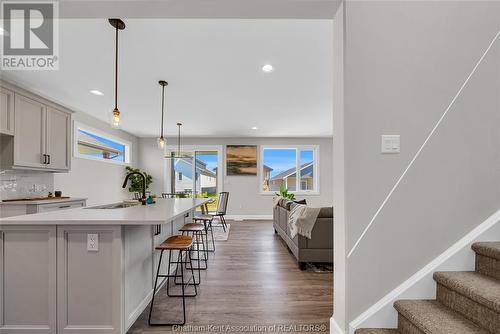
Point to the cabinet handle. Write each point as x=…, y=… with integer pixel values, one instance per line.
x=157, y=230
x=64, y=206
x=44, y=160
x=48, y=163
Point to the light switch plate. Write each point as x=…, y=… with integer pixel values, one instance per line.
x=391, y=144
x=92, y=242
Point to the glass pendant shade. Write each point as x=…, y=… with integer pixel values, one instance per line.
x=115, y=118
x=162, y=142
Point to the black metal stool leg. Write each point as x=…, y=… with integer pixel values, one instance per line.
x=154, y=289
x=223, y=222
x=205, y=249
x=181, y=264
x=212, y=233
x=192, y=273
x=183, y=292
x=185, y=263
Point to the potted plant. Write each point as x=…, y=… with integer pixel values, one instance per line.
x=284, y=193
x=136, y=181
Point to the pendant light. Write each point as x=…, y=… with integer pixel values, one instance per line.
x=179, y=154
x=115, y=115
x=161, y=139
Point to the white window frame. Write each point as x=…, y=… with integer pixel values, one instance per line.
x=297, y=148
x=192, y=148
x=80, y=126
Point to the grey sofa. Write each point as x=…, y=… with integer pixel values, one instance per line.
x=317, y=249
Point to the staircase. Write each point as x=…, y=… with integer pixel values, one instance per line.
x=466, y=302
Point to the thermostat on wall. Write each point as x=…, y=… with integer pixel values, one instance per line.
x=391, y=144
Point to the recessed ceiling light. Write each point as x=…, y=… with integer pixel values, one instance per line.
x=97, y=92
x=254, y=128
x=268, y=68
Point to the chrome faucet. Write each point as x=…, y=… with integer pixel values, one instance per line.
x=143, y=199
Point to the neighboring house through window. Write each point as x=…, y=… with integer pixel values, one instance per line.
x=96, y=145
x=294, y=167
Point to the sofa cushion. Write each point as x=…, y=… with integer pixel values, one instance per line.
x=326, y=212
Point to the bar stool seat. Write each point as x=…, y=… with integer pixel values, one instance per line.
x=176, y=242
x=203, y=217
x=192, y=227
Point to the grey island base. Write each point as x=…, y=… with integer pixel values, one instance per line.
x=85, y=270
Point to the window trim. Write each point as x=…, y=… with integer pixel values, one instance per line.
x=297, y=148
x=80, y=126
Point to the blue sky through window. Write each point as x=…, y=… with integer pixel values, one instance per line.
x=306, y=156
x=279, y=159
x=209, y=158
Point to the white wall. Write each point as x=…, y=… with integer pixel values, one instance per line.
x=244, y=198
x=339, y=321
x=151, y=161
x=101, y=182
x=404, y=63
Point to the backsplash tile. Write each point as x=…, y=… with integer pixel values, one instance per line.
x=20, y=184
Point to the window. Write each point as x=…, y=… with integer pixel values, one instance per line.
x=180, y=176
x=293, y=167
x=200, y=172
x=93, y=144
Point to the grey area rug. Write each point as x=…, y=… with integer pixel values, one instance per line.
x=219, y=234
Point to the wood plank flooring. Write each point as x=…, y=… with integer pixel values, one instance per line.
x=251, y=280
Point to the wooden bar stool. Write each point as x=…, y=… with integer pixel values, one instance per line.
x=181, y=243
x=197, y=231
x=207, y=220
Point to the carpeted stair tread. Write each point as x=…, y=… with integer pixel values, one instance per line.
x=487, y=248
x=431, y=317
x=480, y=288
x=376, y=331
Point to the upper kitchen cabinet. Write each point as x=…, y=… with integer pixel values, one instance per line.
x=58, y=139
x=29, y=134
x=41, y=135
x=6, y=111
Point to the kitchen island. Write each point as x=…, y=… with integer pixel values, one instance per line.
x=84, y=270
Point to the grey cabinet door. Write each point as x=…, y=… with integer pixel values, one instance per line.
x=29, y=134
x=58, y=134
x=89, y=283
x=28, y=280
x=6, y=111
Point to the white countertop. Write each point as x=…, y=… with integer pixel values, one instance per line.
x=44, y=201
x=164, y=210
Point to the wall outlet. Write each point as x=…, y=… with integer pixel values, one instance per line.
x=92, y=242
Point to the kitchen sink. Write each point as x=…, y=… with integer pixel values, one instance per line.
x=113, y=206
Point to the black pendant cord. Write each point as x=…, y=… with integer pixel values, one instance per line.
x=179, y=140
x=116, y=69
x=162, y=107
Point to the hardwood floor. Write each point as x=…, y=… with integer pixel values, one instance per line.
x=251, y=280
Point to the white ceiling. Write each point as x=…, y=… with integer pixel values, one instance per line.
x=213, y=67
x=234, y=9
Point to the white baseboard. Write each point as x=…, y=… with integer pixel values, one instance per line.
x=249, y=217
x=134, y=315
x=334, y=327
x=459, y=257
